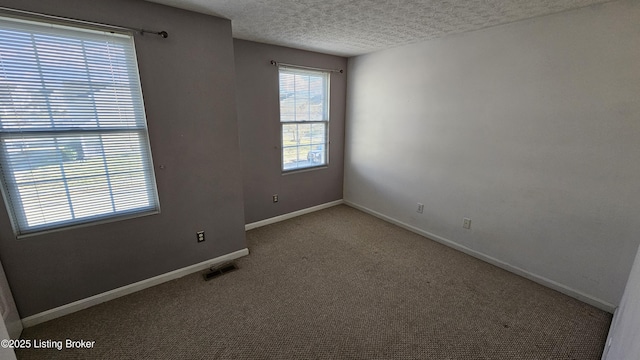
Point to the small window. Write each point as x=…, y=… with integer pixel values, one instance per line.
x=74, y=147
x=304, y=118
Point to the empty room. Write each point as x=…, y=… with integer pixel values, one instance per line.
x=308, y=179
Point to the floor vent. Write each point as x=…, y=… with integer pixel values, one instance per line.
x=218, y=270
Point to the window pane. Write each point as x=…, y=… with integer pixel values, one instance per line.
x=127, y=171
x=290, y=158
x=89, y=196
x=87, y=175
x=44, y=202
x=304, y=134
x=303, y=96
x=317, y=101
x=130, y=191
x=304, y=145
x=57, y=79
x=287, y=97
x=297, y=157
x=318, y=134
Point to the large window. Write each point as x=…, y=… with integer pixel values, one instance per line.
x=304, y=118
x=74, y=146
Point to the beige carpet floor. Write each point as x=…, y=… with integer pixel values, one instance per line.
x=338, y=284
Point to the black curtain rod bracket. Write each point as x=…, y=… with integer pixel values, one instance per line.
x=163, y=33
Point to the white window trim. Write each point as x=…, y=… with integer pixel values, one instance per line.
x=145, y=154
x=327, y=122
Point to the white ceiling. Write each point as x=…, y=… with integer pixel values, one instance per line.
x=354, y=27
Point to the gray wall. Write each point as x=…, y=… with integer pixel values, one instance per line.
x=624, y=337
x=530, y=129
x=188, y=85
x=259, y=127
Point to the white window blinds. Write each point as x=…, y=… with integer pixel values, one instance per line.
x=74, y=142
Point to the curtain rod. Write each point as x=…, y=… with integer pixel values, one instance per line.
x=65, y=20
x=276, y=63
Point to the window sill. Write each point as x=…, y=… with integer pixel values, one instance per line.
x=91, y=223
x=297, y=171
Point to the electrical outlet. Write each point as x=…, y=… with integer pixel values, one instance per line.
x=200, y=236
x=275, y=198
x=466, y=223
x=420, y=208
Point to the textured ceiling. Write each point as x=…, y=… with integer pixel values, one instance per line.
x=354, y=27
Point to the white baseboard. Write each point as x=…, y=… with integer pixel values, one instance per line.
x=128, y=289
x=612, y=332
x=290, y=215
x=600, y=304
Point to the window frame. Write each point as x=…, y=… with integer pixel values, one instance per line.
x=14, y=201
x=327, y=105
